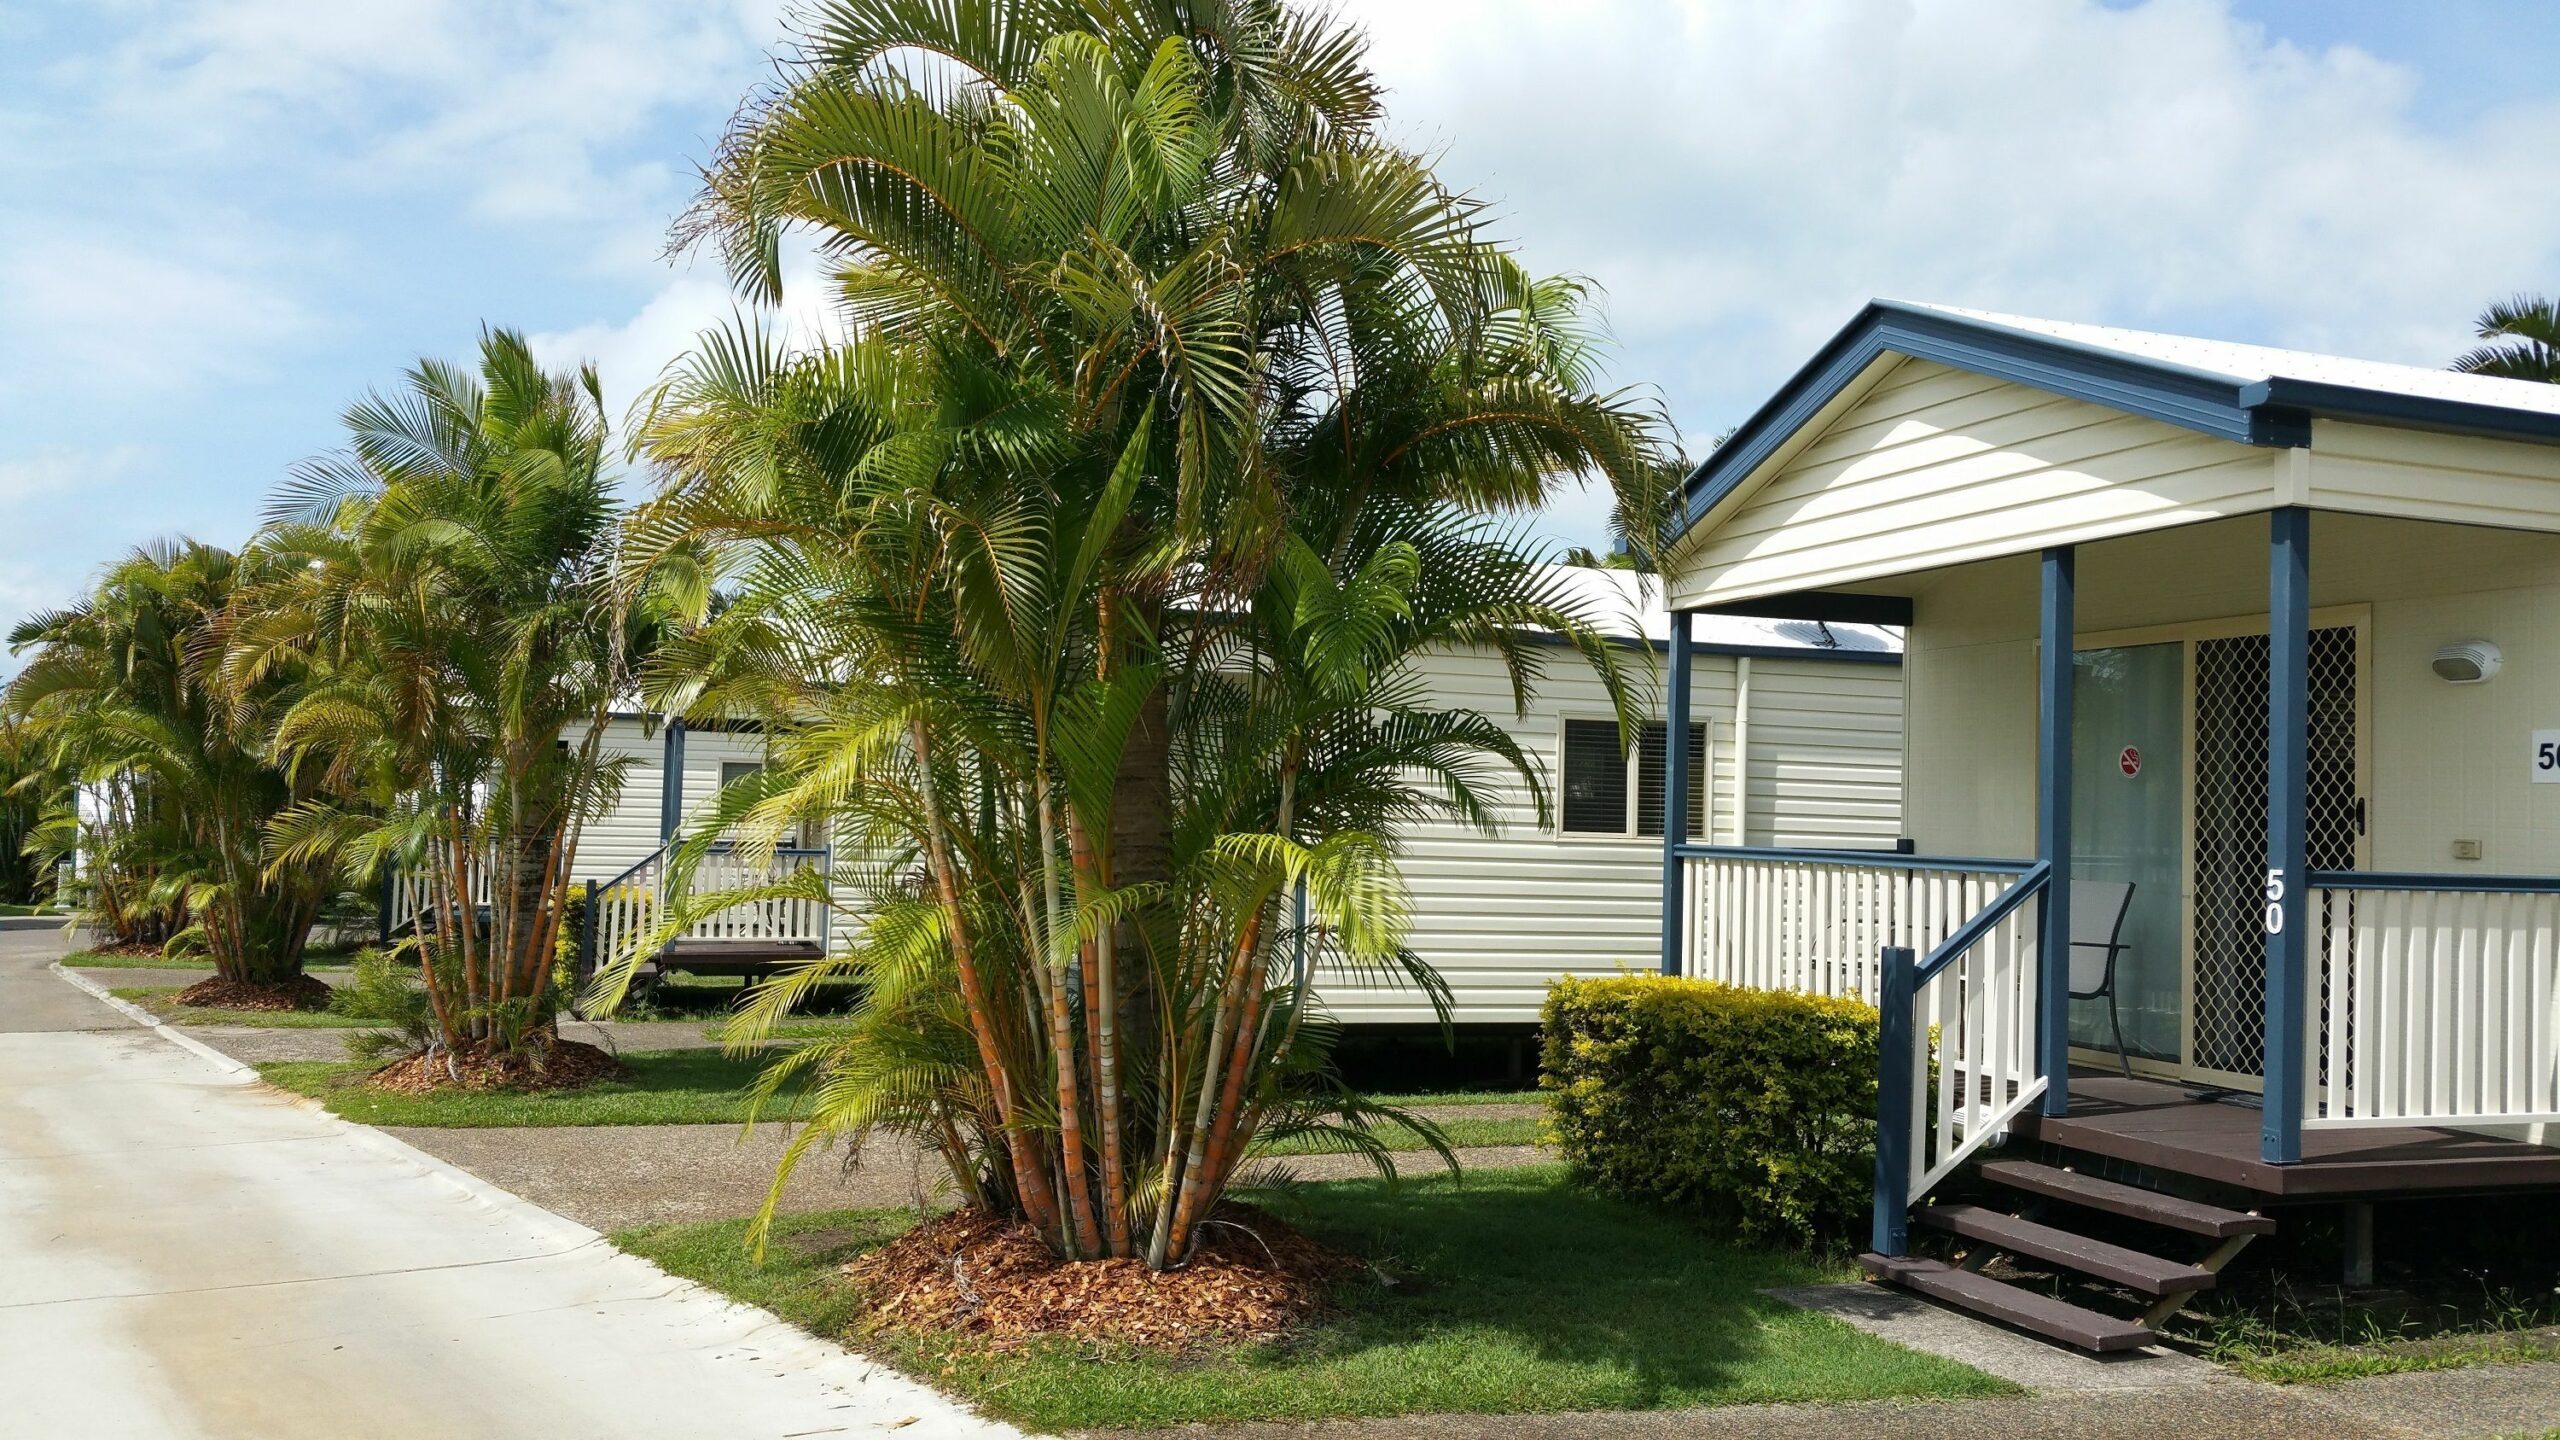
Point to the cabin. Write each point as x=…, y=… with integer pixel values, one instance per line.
x=2232, y=713
x=1795, y=739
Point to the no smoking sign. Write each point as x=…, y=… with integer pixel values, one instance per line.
x=2130, y=762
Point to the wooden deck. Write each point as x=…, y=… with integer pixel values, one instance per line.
x=2148, y=1122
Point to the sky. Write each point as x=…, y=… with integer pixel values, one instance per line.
x=223, y=220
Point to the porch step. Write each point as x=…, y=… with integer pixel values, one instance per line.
x=2020, y=1236
x=2130, y=1201
x=1998, y=1300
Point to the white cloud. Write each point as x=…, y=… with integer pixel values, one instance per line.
x=55, y=470
x=1741, y=177
x=120, y=315
x=62, y=513
x=631, y=355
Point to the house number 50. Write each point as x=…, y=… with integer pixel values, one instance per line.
x=2275, y=902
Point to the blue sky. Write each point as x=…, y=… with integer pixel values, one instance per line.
x=223, y=220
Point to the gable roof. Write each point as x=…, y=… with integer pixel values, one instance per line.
x=2253, y=394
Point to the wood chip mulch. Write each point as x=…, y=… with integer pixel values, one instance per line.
x=302, y=992
x=992, y=1278
x=554, y=1065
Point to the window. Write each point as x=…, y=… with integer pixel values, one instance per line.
x=1595, y=779
x=1607, y=792
x=733, y=771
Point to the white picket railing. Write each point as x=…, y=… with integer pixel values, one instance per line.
x=2439, y=997
x=1816, y=920
x=1973, y=1051
x=630, y=907
x=413, y=894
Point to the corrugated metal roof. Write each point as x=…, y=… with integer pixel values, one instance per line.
x=1629, y=605
x=2236, y=361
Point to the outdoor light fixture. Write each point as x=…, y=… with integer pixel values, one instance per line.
x=2468, y=663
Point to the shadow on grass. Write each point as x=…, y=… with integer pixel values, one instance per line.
x=1512, y=1292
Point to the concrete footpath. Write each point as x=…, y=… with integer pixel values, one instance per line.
x=185, y=1253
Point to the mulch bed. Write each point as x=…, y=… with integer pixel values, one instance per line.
x=302, y=992
x=554, y=1065
x=992, y=1278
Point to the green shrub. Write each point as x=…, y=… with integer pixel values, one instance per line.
x=383, y=990
x=1752, y=1107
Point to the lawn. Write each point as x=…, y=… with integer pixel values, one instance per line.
x=667, y=1087
x=1513, y=1292
x=96, y=960
x=162, y=1000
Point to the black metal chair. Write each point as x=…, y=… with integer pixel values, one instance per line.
x=2098, y=908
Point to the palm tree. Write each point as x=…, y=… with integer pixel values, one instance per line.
x=31, y=784
x=120, y=693
x=1159, y=344
x=2525, y=335
x=454, y=645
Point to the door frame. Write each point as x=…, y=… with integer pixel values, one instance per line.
x=2186, y=634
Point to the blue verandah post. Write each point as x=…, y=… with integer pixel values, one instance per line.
x=586, y=949
x=2287, y=913
x=1896, y=989
x=2053, y=826
x=1675, y=790
x=382, y=905
x=671, y=783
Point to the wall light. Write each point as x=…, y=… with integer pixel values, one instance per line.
x=2468, y=663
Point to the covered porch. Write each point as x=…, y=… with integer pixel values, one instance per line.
x=2231, y=696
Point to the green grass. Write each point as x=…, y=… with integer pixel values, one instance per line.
x=1441, y=1098
x=666, y=1087
x=1514, y=1292
x=15, y=910
x=1463, y=1131
x=93, y=960
x=162, y=1000
x=2318, y=1364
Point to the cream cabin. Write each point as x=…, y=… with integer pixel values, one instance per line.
x=1795, y=739
x=2232, y=704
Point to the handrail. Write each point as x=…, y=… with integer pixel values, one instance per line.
x=1987, y=1041
x=643, y=863
x=2451, y=884
x=2031, y=882
x=1883, y=859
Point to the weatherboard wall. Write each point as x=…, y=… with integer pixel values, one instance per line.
x=1933, y=466
x=1501, y=916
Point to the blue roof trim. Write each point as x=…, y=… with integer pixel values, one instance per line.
x=2219, y=405
x=2409, y=412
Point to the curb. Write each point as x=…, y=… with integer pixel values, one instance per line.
x=167, y=1031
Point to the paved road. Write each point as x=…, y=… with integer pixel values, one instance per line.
x=186, y=1254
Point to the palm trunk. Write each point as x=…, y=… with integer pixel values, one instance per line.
x=1094, y=962
x=1062, y=1030
x=1030, y=1181
x=1185, y=1207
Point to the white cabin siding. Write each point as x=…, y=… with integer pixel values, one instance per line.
x=2422, y=475
x=1935, y=466
x=1501, y=916
x=616, y=841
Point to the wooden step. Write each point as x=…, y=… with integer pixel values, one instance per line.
x=2020, y=1236
x=2130, y=1201
x=1996, y=1300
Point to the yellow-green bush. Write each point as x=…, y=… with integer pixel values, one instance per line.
x=1755, y=1108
